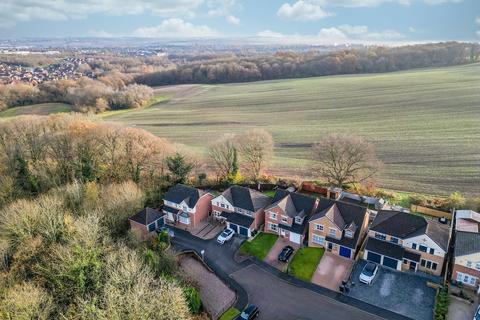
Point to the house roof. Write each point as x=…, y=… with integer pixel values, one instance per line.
x=385, y=248
x=237, y=218
x=292, y=203
x=439, y=233
x=146, y=216
x=399, y=224
x=180, y=192
x=466, y=243
x=246, y=198
x=343, y=215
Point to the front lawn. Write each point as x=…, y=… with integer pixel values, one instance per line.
x=230, y=314
x=259, y=246
x=304, y=262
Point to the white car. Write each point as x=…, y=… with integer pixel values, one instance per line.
x=226, y=235
x=369, y=272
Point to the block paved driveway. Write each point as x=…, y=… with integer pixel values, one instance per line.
x=331, y=270
x=401, y=292
x=276, y=298
x=272, y=256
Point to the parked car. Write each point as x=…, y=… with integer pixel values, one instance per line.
x=285, y=254
x=170, y=233
x=368, y=273
x=250, y=312
x=476, y=316
x=226, y=235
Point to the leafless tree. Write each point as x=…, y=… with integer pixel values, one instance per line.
x=222, y=154
x=256, y=151
x=343, y=159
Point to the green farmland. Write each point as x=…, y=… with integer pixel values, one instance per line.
x=39, y=109
x=425, y=123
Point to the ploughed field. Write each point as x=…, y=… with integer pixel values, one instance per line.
x=424, y=123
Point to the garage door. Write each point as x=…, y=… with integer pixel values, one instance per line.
x=389, y=262
x=243, y=231
x=234, y=227
x=374, y=257
x=345, y=252
x=295, y=237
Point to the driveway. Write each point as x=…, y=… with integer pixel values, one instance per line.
x=332, y=270
x=460, y=309
x=272, y=256
x=280, y=300
x=399, y=292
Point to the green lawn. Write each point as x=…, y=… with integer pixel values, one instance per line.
x=38, y=109
x=230, y=314
x=270, y=193
x=423, y=123
x=259, y=246
x=304, y=262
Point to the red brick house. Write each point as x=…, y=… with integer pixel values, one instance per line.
x=242, y=208
x=186, y=205
x=288, y=215
x=146, y=221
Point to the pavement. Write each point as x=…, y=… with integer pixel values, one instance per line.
x=278, y=295
x=332, y=270
x=400, y=292
x=460, y=309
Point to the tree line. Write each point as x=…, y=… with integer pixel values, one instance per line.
x=283, y=65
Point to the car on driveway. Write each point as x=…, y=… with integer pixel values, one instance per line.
x=368, y=273
x=226, y=235
x=250, y=312
x=285, y=254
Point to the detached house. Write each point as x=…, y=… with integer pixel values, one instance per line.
x=288, y=215
x=466, y=255
x=186, y=205
x=146, y=221
x=338, y=227
x=404, y=241
x=242, y=209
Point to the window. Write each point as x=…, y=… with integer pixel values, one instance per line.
x=428, y=264
x=184, y=220
x=422, y=248
x=298, y=220
x=414, y=246
x=422, y=263
x=273, y=216
x=477, y=266
x=318, y=227
x=332, y=232
x=349, y=233
x=469, y=264
x=465, y=278
x=318, y=239
x=405, y=261
x=432, y=251
x=222, y=205
x=394, y=240
x=434, y=266
x=284, y=219
x=380, y=236
x=273, y=226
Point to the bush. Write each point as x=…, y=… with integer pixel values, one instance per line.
x=193, y=299
x=441, y=306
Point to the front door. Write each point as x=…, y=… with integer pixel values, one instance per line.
x=413, y=266
x=282, y=232
x=330, y=247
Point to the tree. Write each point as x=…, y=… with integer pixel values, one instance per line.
x=223, y=155
x=179, y=167
x=256, y=149
x=234, y=175
x=344, y=159
x=455, y=201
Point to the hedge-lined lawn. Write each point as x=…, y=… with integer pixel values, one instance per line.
x=229, y=314
x=260, y=246
x=304, y=262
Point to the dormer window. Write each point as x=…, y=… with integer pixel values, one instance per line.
x=349, y=233
x=284, y=219
x=298, y=220
x=332, y=232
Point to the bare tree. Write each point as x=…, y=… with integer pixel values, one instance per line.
x=344, y=159
x=222, y=154
x=256, y=150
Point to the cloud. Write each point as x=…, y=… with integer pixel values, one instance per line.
x=477, y=20
x=353, y=29
x=224, y=8
x=270, y=34
x=176, y=28
x=332, y=35
x=374, y=3
x=15, y=11
x=233, y=20
x=302, y=10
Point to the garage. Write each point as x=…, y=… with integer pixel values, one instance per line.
x=234, y=227
x=389, y=262
x=244, y=231
x=345, y=252
x=374, y=257
x=295, y=237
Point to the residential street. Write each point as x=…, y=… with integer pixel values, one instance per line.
x=276, y=298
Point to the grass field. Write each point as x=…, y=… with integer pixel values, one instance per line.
x=424, y=123
x=40, y=109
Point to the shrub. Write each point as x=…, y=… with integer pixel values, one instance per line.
x=193, y=299
x=441, y=306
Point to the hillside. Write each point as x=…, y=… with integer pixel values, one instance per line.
x=424, y=123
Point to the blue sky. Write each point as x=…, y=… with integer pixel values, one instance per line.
x=290, y=21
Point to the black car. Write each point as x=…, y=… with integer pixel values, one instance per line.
x=285, y=254
x=250, y=312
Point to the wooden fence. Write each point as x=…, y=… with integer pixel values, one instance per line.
x=431, y=212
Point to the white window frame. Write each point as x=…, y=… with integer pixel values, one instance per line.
x=318, y=239
x=330, y=232
x=273, y=215
x=349, y=233
x=284, y=219
x=318, y=227
x=273, y=226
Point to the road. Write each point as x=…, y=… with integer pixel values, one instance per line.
x=275, y=297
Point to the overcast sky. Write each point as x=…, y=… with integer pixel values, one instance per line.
x=326, y=21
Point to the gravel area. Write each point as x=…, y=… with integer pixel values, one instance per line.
x=216, y=296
